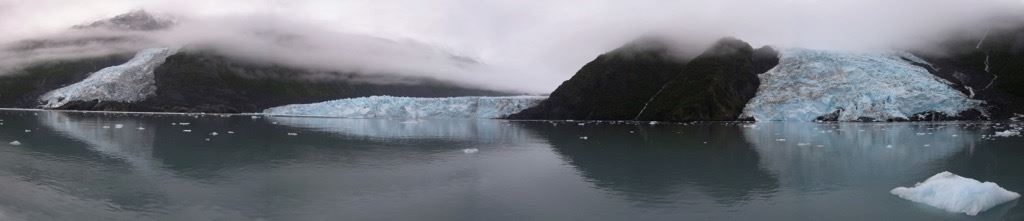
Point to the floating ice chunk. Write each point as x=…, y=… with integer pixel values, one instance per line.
x=1007, y=133
x=808, y=84
x=231, y=132
x=141, y=128
x=412, y=108
x=28, y=131
x=584, y=138
x=184, y=124
x=956, y=194
x=186, y=131
x=106, y=127
x=470, y=150
x=132, y=81
x=255, y=117
x=15, y=143
x=293, y=134
x=118, y=126
x=213, y=134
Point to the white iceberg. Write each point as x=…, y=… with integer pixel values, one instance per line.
x=132, y=81
x=808, y=84
x=412, y=108
x=1007, y=133
x=956, y=194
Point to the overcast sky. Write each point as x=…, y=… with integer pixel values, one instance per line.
x=536, y=44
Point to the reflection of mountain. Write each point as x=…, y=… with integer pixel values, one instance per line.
x=669, y=163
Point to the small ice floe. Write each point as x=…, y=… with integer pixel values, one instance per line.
x=780, y=140
x=207, y=139
x=184, y=124
x=174, y=124
x=186, y=131
x=231, y=132
x=293, y=134
x=255, y=117
x=927, y=145
x=470, y=151
x=956, y=194
x=819, y=145
x=15, y=143
x=1007, y=133
x=141, y=128
x=803, y=144
x=28, y=131
x=118, y=126
x=213, y=134
x=106, y=127
x=653, y=123
x=275, y=122
x=584, y=138
x=888, y=146
x=921, y=134
x=581, y=124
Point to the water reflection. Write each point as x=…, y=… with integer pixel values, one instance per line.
x=387, y=129
x=659, y=166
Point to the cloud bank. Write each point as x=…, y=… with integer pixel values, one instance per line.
x=525, y=45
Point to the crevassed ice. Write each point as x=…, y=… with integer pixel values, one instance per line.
x=956, y=194
x=808, y=84
x=132, y=81
x=412, y=108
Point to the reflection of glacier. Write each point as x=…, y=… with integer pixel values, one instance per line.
x=447, y=129
x=103, y=135
x=822, y=155
x=412, y=108
x=808, y=84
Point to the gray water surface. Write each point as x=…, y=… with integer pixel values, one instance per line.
x=81, y=166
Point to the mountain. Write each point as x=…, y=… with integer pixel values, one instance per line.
x=139, y=20
x=113, y=65
x=614, y=86
x=644, y=82
x=969, y=77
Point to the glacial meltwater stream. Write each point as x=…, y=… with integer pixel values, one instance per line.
x=106, y=166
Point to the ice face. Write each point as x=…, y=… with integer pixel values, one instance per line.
x=956, y=194
x=412, y=108
x=132, y=81
x=808, y=84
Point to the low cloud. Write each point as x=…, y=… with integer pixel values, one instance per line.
x=525, y=45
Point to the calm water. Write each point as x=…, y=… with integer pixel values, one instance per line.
x=69, y=167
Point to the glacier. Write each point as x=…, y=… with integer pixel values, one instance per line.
x=132, y=81
x=412, y=108
x=956, y=194
x=808, y=84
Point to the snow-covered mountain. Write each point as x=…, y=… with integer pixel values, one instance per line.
x=412, y=108
x=122, y=64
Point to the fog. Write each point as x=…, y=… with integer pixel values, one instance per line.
x=522, y=45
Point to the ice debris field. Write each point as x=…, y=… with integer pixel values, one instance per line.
x=956, y=194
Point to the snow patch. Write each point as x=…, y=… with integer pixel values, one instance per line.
x=412, y=108
x=808, y=84
x=956, y=194
x=132, y=81
x=15, y=143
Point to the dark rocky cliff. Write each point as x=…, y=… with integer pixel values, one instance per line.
x=713, y=86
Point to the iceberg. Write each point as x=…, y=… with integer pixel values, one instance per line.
x=412, y=108
x=808, y=84
x=132, y=81
x=956, y=194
